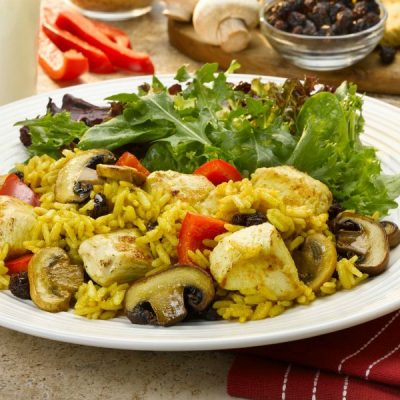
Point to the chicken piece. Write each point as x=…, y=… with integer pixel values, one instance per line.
x=296, y=188
x=115, y=257
x=17, y=219
x=255, y=258
x=186, y=187
x=2, y=179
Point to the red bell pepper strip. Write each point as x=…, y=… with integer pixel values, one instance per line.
x=195, y=228
x=64, y=40
x=58, y=65
x=14, y=187
x=120, y=56
x=129, y=160
x=19, y=264
x=116, y=35
x=218, y=171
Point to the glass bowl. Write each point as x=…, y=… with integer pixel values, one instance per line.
x=109, y=10
x=323, y=53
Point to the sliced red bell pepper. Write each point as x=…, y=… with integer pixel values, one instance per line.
x=129, y=160
x=58, y=65
x=64, y=40
x=19, y=264
x=195, y=228
x=14, y=187
x=120, y=56
x=218, y=171
x=116, y=35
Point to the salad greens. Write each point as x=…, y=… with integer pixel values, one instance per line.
x=250, y=125
x=51, y=133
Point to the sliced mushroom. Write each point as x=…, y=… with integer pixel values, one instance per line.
x=316, y=260
x=17, y=220
x=392, y=233
x=75, y=180
x=115, y=257
x=180, y=10
x=53, y=280
x=362, y=236
x=225, y=23
x=121, y=173
x=166, y=298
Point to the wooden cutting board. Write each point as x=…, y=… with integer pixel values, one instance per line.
x=260, y=58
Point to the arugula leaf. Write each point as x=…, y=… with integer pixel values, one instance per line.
x=51, y=133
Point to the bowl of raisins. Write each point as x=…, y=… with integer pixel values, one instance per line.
x=323, y=35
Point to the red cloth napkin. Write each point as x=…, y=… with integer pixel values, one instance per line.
x=360, y=363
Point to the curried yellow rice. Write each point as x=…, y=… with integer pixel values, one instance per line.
x=67, y=225
x=4, y=277
x=95, y=302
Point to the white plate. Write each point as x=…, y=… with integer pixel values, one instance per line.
x=372, y=299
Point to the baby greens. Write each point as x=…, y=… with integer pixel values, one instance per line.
x=250, y=125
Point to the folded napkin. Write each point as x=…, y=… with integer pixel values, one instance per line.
x=360, y=363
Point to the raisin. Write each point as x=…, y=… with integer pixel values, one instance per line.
x=244, y=87
x=344, y=21
x=334, y=210
x=25, y=136
x=151, y=226
x=175, y=89
x=296, y=19
x=360, y=9
x=308, y=5
x=298, y=30
x=281, y=25
x=100, y=206
x=371, y=19
x=334, y=9
x=145, y=87
x=319, y=14
x=19, y=285
x=249, y=219
x=387, y=54
x=309, y=28
x=283, y=10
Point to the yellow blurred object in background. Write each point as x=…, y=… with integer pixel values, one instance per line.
x=392, y=31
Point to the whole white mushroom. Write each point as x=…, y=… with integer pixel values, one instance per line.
x=180, y=10
x=226, y=23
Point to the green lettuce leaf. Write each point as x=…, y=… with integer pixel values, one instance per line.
x=52, y=133
x=329, y=149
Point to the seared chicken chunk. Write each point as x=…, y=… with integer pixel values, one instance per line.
x=296, y=188
x=115, y=257
x=17, y=220
x=254, y=258
x=185, y=187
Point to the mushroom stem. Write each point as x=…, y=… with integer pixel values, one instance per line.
x=233, y=35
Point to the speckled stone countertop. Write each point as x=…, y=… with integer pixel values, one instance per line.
x=34, y=368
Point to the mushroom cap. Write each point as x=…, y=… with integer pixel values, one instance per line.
x=71, y=186
x=208, y=15
x=180, y=10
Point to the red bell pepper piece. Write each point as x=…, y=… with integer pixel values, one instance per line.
x=116, y=35
x=218, y=171
x=58, y=65
x=19, y=264
x=64, y=40
x=129, y=160
x=195, y=228
x=120, y=56
x=14, y=187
